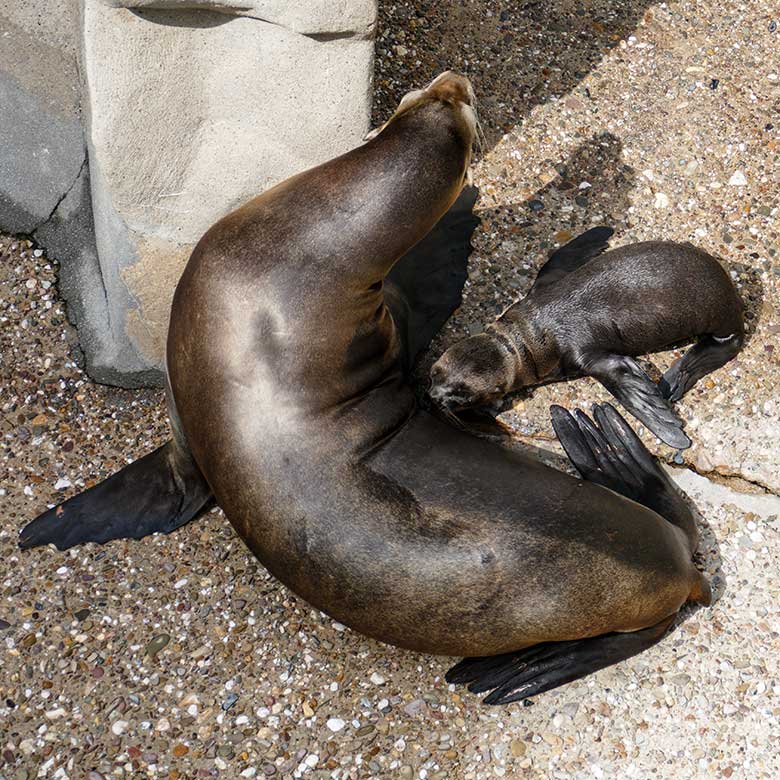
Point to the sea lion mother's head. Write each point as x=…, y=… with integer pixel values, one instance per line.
x=451, y=89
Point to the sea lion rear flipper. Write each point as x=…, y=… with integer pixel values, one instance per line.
x=704, y=357
x=159, y=492
x=624, y=378
x=571, y=256
x=424, y=287
x=539, y=668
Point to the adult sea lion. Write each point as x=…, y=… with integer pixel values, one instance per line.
x=292, y=403
x=589, y=314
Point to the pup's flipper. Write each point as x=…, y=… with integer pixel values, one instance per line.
x=626, y=380
x=573, y=255
x=606, y=451
x=539, y=668
x=425, y=286
x=704, y=357
x=157, y=493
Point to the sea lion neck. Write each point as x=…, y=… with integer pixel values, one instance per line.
x=518, y=326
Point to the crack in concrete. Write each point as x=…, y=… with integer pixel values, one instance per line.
x=244, y=12
x=321, y=37
x=62, y=197
x=733, y=481
x=764, y=505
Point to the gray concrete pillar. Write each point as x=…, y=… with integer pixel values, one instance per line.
x=189, y=108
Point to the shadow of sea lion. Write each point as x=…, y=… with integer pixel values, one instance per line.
x=518, y=53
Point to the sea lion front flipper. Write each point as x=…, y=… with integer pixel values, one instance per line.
x=425, y=286
x=539, y=668
x=625, y=379
x=704, y=357
x=571, y=256
x=157, y=493
x=607, y=451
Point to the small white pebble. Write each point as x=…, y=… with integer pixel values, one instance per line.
x=661, y=200
x=737, y=179
x=377, y=679
x=119, y=727
x=335, y=724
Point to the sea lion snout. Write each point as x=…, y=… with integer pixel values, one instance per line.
x=451, y=86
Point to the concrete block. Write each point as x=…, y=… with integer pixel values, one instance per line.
x=41, y=141
x=190, y=112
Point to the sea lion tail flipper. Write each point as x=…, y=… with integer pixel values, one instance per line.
x=425, y=286
x=571, y=256
x=606, y=451
x=625, y=379
x=704, y=357
x=159, y=492
x=539, y=668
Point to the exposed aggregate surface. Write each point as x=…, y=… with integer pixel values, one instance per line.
x=180, y=657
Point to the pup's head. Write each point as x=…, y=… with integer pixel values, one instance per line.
x=477, y=371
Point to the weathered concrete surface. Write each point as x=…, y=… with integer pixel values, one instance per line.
x=321, y=18
x=191, y=112
x=41, y=142
x=700, y=489
x=44, y=180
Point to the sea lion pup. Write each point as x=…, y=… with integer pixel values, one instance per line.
x=292, y=400
x=590, y=314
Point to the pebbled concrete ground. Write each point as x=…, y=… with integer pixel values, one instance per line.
x=180, y=657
